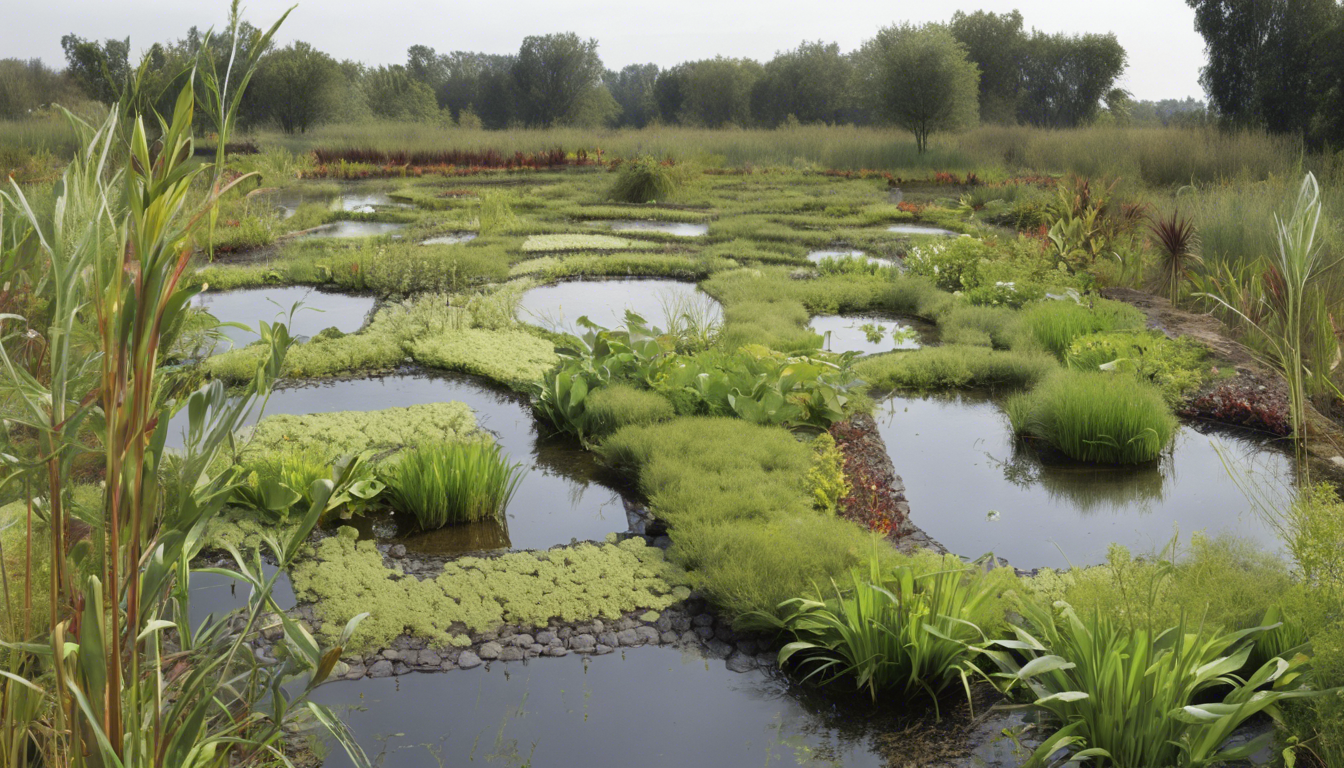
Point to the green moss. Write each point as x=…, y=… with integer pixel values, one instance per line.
x=345, y=577
x=826, y=477
x=346, y=432
x=554, y=243
x=614, y=406
x=515, y=357
x=954, y=366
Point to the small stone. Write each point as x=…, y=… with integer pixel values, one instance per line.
x=273, y=633
x=468, y=660
x=397, y=551
x=608, y=638
x=382, y=669
x=565, y=633
x=557, y=650
x=628, y=637
x=401, y=642
x=356, y=671
x=602, y=650
x=512, y=653
x=703, y=620
x=705, y=633
x=626, y=623
x=689, y=638
x=583, y=643
x=392, y=655
x=681, y=623
x=400, y=668
x=719, y=649
x=489, y=651
x=534, y=650
x=523, y=641
x=448, y=665
x=747, y=646
x=725, y=633
x=663, y=623
x=428, y=658
x=741, y=662
x=598, y=627
x=545, y=637
x=486, y=637
x=668, y=638
x=647, y=634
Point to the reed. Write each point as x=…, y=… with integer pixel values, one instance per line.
x=1095, y=417
x=452, y=483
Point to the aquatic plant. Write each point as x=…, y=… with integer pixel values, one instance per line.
x=906, y=630
x=339, y=433
x=1095, y=417
x=954, y=366
x=554, y=243
x=1176, y=366
x=514, y=357
x=452, y=483
x=1055, y=324
x=1140, y=696
x=616, y=405
x=644, y=180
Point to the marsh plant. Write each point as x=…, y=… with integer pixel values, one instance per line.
x=452, y=483
x=1095, y=417
x=646, y=180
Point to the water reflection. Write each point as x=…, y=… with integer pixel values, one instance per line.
x=605, y=302
x=678, y=228
x=921, y=229
x=320, y=310
x=348, y=229
x=871, y=334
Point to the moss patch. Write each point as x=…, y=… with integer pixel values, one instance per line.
x=345, y=432
x=550, y=243
x=345, y=577
x=515, y=357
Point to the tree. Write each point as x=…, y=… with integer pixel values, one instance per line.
x=996, y=44
x=99, y=70
x=554, y=74
x=297, y=86
x=669, y=92
x=920, y=79
x=29, y=85
x=717, y=92
x=497, y=106
x=394, y=95
x=1066, y=77
x=812, y=83
x=633, y=89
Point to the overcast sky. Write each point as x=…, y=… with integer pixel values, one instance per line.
x=1165, y=52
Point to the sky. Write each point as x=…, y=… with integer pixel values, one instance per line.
x=1165, y=52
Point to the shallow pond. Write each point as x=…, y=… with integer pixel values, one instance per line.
x=558, y=499
x=349, y=229
x=870, y=334
x=558, y=307
x=816, y=257
x=648, y=706
x=972, y=487
x=453, y=239
x=370, y=202
x=678, y=228
x=217, y=594
x=320, y=310
x=921, y=229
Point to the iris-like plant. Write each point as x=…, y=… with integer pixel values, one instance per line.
x=451, y=483
x=1133, y=698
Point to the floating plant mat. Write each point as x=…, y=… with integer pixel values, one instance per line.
x=975, y=489
x=678, y=228
x=604, y=302
x=348, y=229
x=646, y=706
x=453, y=239
x=921, y=229
x=558, y=499
x=320, y=310
x=870, y=334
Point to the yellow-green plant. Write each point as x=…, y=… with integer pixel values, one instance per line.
x=450, y=483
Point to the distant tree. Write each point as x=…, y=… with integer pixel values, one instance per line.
x=996, y=43
x=554, y=74
x=595, y=109
x=633, y=89
x=99, y=70
x=394, y=95
x=920, y=79
x=29, y=85
x=717, y=92
x=811, y=82
x=297, y=86
x=1067, y=76
x=426, y=66
x=496, y=104
x=669, y=93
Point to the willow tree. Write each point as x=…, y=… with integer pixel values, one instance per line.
x=919, y=78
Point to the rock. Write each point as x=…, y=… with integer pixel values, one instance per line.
x=628, y=637
x=747, y=646
x=545, y=637
x=725, y=633
x=402, y=642
x=719, y=649
x=356, y=671
x=668, y=638
x=608, y=638
x=273, y=633
x=626, y=623
x=397, y=551
x=428, y=658
x=690, y=638
x=662, y=542
x=448, y=665
x=489, y=651
x=583, y=643
x=468, y=660
x=703, y=620
x=512, y=653
x=681, y=623
x=663, y=624
x=647, y=634
x=741, y=662
x=523, y=641
x=382, y=669
x=400, y=668
x=705, y=633
x=534, y=650
x=565, y=633
x=767, y=660
x=602, y=650
x=486, y=637
x=392, y=655
x=557, y=650
x=598, y=627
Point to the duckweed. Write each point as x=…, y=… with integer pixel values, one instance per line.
x=345, y=577
x=346, y=432
x=514, y=357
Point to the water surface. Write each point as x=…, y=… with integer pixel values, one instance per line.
x=558, y=307
x=816, y=257
x=370, y=202
x=349, y=229
x=212, y=593
x=871, y=334
x=320, y=310
x=921, y=229
x=974, y=488
x=678, y=228
x=453, y=239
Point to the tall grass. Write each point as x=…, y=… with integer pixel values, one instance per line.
x=1095, y=417
x=450, y=483
x=1056, y=324
x=954, y=366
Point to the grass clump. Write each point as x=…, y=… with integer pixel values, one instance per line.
x=450, y=483
x=1176, y=366
x=645, y=180
x=1095, y=417
x=617, y=405
x=741, y=516
x=954, y=366
x=557, y=243
x=345, y=577
x=1055, y=324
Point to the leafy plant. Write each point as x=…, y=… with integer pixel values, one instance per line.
x=1138, y=697
x=1176, y=366
x=1055, y=324
x=451, y=483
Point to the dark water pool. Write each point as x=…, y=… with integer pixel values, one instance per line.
x=851, y=333
x=320, y=310
x=678, y=228
x=559, y=498
x=972, y=487
x=348, y=229
x=921, y=229
x=604, y=302
x=648, y=707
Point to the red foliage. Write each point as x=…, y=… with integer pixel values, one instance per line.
x=1245, y=406
x=871, y=501
x=909, y=207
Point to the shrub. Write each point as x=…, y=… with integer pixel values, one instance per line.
x=616, y=405
x=997, y=327
x=952, y=265
x=1055, y=324
x=1095, y=417
x=1174, y=366
x=954, y=366
x=644, y=180
x=826, y=481
x=451, y=483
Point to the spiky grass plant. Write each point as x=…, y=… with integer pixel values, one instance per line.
x=1177, y=244
x=451, y=483
x=644, y=180
x=1095, y=417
